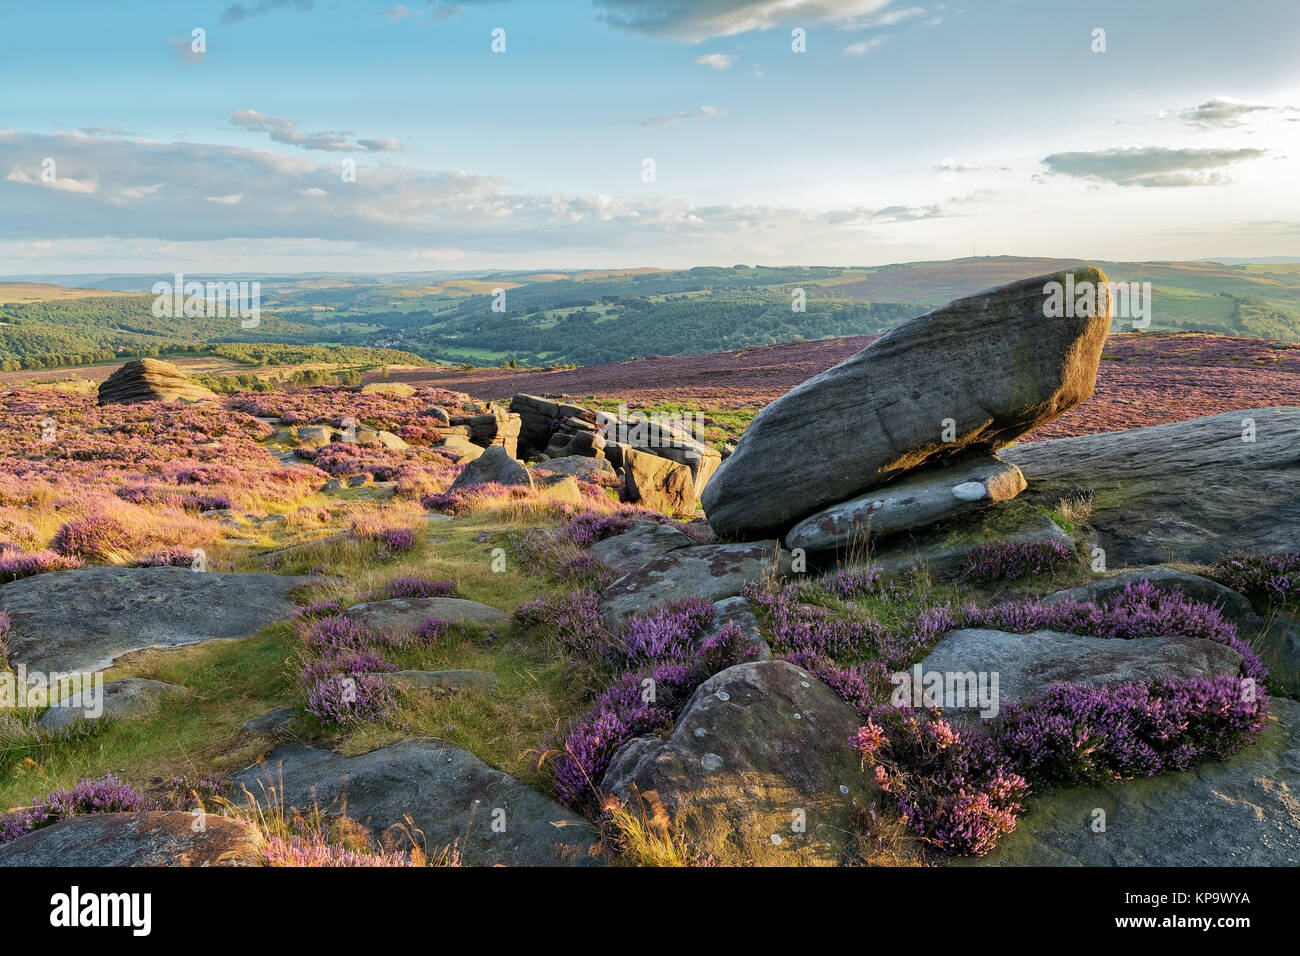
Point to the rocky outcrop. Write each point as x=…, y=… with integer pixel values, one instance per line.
x=758, y=770
x=1188, y=492
x=76, y=621
x=709, y=571
x=494, y=466
x=1027, y=665
x=494, y=427
x=1239, y=812
x=963, y=380
x=560, y=430
x=917, y=500
x=149, y=380
x=448, y=794
x=156, y=838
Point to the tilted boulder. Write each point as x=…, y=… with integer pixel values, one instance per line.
x=149, y=380
x=963, y=380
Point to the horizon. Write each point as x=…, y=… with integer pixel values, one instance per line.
x=886, y=132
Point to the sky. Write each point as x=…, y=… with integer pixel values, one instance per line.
x=274, y=136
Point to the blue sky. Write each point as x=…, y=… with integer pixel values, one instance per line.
x=906, y=130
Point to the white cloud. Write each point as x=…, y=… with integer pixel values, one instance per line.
x=699, y=20
x=1226, y=113
x=286, y=131
x=704, y=112
x=866, y=46
x=251, y=196
x=1151, y=166
x=716, y=61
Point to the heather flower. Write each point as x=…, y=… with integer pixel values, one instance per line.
x=341, y=700
x=109, y=795
x=1006, y=560
x=16, y=564
x=337, y=633
x=413, y=587
x=1267, y=577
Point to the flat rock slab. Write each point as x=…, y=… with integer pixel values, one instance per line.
x=77, y=621
x=119, y=700
x=943, y=547
x=708, y=571
x=1241, y=812
x=1189, y=492
x=1027, y=665
x=449, y=794
x=916, y=500
x=756, y=744
x=980, y=371
x=644, y=542
x=404, y=615
x=155, y=838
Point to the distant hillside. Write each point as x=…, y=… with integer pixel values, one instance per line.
x=587, y=317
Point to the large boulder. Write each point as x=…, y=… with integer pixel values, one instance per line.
x=758, y=770
x=1241, y=812
x=448, y=794
x=709, y=571
x=658, y=484
x=494, y=466
x=915, y=501
x=1188, y=492
x=149, y=380
x=77, y=621
x=981, y=371
x=155, y=838
x=645, y=541
x=1027, y=665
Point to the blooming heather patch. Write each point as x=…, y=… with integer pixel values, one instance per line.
x=411, y=586
x=108, y=795
x=1008, y=560
x=345, y=699
x=1264, y=577
x=335, y=634
x=575, y=620
x=16, y=564
x=663, y=660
